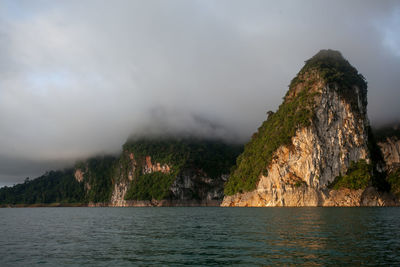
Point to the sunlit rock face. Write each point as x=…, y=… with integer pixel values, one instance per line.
x=149, y=167
x=300, y=172
x=79, y=175
x=317, y=155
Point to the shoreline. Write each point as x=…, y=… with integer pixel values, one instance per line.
x=44, y=205
x=101, y=205
x=130, y=203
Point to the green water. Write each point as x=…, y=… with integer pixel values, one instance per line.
x=199, y=236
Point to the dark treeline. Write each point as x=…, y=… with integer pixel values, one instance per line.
x=52, y=187
x=101, y=172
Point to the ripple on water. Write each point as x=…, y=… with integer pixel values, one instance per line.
x=199, y=236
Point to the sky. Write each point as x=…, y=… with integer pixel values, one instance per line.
x=77, y=78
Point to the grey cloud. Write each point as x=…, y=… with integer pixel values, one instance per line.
x=77, y=78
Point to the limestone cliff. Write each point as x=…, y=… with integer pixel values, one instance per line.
x=306, y=148
x=122, y=183
x=390, y=148
x=209, y=192
x=172, y=172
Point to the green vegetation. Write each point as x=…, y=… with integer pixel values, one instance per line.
x=62, y=187
x=295, y=112
x=164, y=151
x=212, y=157
x=99, y=174
x=278, y=130
x=358, y=176
x=52, y=187
x=151, y=186
x=335, y=70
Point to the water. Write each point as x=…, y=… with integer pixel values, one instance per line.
x=199, y=236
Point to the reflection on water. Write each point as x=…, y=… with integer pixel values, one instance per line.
x=199, y=236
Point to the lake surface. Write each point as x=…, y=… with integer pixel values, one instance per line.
x=199, y=236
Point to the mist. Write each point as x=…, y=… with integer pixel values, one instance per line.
x=78, y=78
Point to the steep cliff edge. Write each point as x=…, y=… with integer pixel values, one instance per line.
x=314, y=150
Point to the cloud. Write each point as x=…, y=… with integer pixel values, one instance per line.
x=77, y=78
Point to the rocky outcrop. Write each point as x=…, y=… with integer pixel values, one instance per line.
x=300, y=172
x=319, y=153
x=79, y=175
x=118, y=194
x=195, y=186
x=149, y=167
x=312, y=197
x=390, y=148
x=316, y=155
x=172, y=172
x=122, y=180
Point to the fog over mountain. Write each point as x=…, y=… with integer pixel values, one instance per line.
x=77, y=78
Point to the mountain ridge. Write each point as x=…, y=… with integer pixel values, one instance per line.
x=317, y=149
x=317, y=139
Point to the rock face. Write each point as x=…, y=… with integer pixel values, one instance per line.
x=391, y=152
x=300, y=172
x=79, y=175
x=118, y=194
x=208, y=192
x=172, y=173
x=306, y=196
x=149, y=167
x=322, y=151
x=123, y=180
